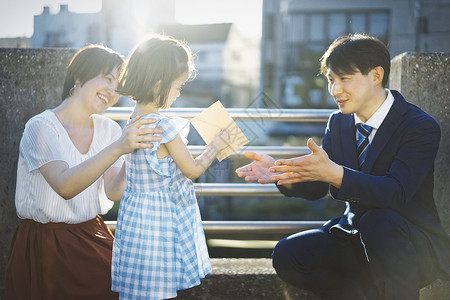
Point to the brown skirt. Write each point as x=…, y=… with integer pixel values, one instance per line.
x=60, y=261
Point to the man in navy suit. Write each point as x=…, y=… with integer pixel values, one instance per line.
x=389, y=242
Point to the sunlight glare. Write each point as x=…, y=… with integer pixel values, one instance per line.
x=247, y=15
x=140, y=9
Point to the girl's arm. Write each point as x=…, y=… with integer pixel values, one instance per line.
x=191, y=167
x=69, y=182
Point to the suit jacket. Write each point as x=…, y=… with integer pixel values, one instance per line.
x=397, y=173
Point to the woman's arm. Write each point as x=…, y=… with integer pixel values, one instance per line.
x=115, y=182
x=191, y=167
x=69, y=182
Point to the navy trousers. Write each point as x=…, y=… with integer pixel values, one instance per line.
x=389, y=259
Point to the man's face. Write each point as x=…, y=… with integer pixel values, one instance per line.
x=353, y=93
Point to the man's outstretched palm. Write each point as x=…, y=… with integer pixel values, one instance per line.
x=258, y=170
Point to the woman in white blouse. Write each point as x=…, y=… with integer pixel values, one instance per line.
x=69, y=169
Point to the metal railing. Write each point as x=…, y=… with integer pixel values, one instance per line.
x=245, y=228
x=250, y=228
x=245, y=114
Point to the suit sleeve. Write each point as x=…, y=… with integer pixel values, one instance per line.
x=311, y=190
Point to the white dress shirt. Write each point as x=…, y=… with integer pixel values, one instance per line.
x=378, y=117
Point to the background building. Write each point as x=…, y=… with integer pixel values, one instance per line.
x=226, y=61
x=297, y=32
x=118, y=25
x=18, y=42
x=66, y=29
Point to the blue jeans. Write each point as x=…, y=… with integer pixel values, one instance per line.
x=389, y=259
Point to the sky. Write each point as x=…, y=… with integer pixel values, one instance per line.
x=16, y=16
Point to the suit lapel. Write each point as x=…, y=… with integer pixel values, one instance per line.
x=386, y=130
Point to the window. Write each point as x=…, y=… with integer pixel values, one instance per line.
x=357, y=22
x=378, y=24
x=317, y=27
x=269, y=27
x=337, y=25
x=295, y=30
x=56, y=39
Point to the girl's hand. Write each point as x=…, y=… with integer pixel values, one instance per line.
x=137, y=136
x=221, y=140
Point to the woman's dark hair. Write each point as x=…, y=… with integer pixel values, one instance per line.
x=356, y=52
x=89, y=62
x=151, y=68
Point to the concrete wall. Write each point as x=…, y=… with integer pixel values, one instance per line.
x=31, y=80
x=424, y=79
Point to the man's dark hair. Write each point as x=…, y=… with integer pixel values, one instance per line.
x=356, y=52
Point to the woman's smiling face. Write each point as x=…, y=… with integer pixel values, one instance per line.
x=100, y=91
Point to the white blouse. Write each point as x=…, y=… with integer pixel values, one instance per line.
x=44, y=140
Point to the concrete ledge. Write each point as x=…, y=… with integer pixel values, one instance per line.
x=255, y=279
x=243, y=278
x=438, y=290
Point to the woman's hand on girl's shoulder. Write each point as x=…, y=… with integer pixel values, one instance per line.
x=137, y=136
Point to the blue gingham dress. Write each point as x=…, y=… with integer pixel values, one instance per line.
x=159, y=244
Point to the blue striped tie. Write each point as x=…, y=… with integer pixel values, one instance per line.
x=362, y=141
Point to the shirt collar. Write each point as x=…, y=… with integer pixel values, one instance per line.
x=378, y=117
